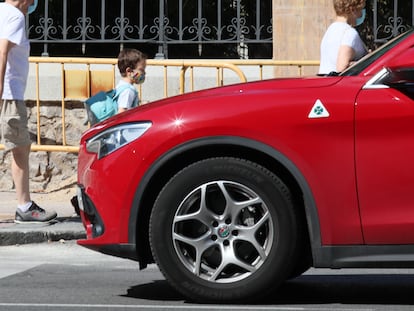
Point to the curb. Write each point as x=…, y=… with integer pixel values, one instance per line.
x=69, y=228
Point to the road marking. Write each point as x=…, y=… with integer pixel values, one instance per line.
x=174, y=307
x=10, y=268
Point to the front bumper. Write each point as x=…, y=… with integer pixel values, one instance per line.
x=95, y=228
x=90, y=217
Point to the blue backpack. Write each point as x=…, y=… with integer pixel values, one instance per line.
x=104, y=105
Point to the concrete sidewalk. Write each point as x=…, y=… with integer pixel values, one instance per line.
x=67, y=226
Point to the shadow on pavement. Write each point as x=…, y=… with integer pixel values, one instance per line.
x=158, y=290
x=384, y=289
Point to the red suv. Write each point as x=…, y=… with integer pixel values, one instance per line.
x=233, y=190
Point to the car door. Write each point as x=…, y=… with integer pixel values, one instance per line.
x=384, y=154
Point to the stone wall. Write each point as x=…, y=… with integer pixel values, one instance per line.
x=49, y=171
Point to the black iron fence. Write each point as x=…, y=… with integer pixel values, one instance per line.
x=391, y=17
x=193, y=28
x=182, y=28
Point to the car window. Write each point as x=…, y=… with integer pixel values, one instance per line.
x=402, y=80
x=372, y=57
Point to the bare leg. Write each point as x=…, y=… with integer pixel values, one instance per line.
x=20, y=173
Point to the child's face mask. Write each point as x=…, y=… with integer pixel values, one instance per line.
x=138, y=77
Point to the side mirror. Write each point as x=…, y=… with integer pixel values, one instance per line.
x=401, y=79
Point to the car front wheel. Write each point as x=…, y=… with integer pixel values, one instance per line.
x=224, y=229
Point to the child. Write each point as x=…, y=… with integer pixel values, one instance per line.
x=131, y=65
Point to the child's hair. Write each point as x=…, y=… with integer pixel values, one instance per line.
x=129, y=58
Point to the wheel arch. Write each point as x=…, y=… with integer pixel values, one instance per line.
x=183, y=155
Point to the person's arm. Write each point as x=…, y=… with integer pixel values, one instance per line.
x=120, y=109
x=5, y=46
x=126, y=100
x=345, y=55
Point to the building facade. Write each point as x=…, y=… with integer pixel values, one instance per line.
x=298, y=27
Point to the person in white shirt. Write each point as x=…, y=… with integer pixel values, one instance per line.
x=14, y=68
x=341, y=43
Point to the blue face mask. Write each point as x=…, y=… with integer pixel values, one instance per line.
x=32, y=7
x=361, y=19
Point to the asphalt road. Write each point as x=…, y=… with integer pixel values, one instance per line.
x=64, y=276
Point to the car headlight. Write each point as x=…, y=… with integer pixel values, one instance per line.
x=115, y=137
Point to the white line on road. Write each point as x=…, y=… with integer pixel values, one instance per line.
x=173, y=307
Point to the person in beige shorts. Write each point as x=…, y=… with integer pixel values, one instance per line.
x=14, y=132
x=14, y=69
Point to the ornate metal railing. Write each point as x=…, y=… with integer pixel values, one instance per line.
x=388, y=23
x=147, y=21
x=243, y=23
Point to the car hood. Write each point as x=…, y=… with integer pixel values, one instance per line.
x=258, y=86
x=250, y=88
x=281, y=84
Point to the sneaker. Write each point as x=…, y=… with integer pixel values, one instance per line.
x=34, y=214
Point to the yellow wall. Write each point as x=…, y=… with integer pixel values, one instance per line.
x=298, y=27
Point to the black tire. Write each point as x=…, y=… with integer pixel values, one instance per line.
x=302, y=265
x=192, y=242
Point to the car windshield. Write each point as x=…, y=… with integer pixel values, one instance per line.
x=371, y=57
